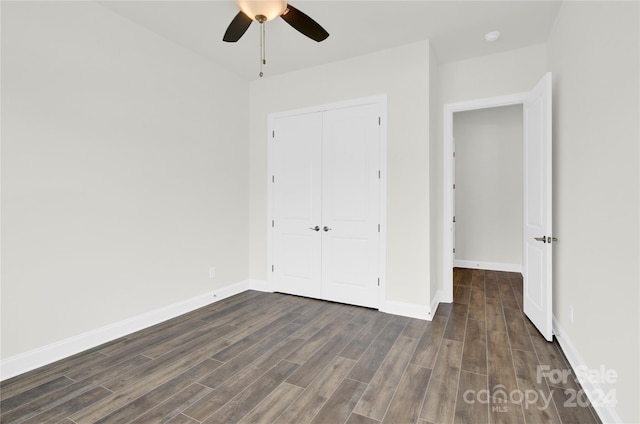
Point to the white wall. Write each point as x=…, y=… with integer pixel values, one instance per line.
x=402, y=74
x=435, y=169
x=498, y=74
x=489, y=187
x=124, y=172
x=594, y=54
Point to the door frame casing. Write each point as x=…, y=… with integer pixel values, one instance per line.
x=448, y=191
x=380, y=100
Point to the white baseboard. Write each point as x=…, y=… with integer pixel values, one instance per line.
x=437, y=300
x=406, y=310
x=492, y=266
x=27, y=361
x=607, y=413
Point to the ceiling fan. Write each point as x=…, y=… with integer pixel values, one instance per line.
x=263, y=11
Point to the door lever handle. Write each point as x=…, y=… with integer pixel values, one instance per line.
x=326, y=229
x=316, y=228
x=546, y=239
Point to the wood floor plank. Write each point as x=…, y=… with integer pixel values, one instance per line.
x=415, y=328
x=478, y=278
x=440, y=399
x=42, y=404
x=257, y=335
x=457, y=323
x=505, y=413
x=322, y=357
x=253, y=353
x=471, y=407
x=474, y=356
x=320, y=338
x=171, y=363
x=491, y=285
x=500, y=363
x=70, y=407
x=359, y=419
x=368, y=364
x=153, y=398
x=326, y=316
x=180, y=339
x=317, y=393
x=254, y=321
x=495, y=315
x=34, y=393
x=143, y=386
x=407, y=401
x=243, y=403
x=427, y=349
x=182, y=419
x=573, y=407
x=363, y=340
x=518, y=334
x=31, y=379
x=136, y=344
x=341, y=403
x=462, y=295
x=380, y=391
x=477, y=303
x=444, y=309
x=273, y=405
x=173, y=406
x=226, y=391
x=538, y=406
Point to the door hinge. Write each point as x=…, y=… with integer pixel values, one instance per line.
x=454, y=218
x=379, y=174
x=379, y=121
x=454, y=186
x=273, y=178
x=378, y=281
x=454, y=250
x=378, y=227
x=272, y=268
x=454, y=154
x=273, y=223
x=273, y=134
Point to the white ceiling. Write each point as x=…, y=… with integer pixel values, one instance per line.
x=456, y=29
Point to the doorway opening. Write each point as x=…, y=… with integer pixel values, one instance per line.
x=488, y=193
x=449, y=174
x=537, y=198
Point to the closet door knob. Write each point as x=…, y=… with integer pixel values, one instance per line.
x=316, y=228
x=326, y=229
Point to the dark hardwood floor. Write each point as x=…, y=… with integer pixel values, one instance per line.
x=273, y=358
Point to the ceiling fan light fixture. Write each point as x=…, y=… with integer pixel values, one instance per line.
x=262, y=10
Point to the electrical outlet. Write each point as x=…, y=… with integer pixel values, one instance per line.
x=212, y=272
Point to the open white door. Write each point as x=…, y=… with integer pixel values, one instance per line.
x=537, y=270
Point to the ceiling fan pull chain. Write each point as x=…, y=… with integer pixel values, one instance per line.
x=263, y=61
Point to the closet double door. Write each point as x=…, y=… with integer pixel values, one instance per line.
x=326, y=204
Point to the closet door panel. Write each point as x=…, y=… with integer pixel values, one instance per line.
x=350, y=205
x=296, y=151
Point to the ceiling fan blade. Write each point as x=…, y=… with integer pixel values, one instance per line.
x=237, y=28
x=304, y=24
